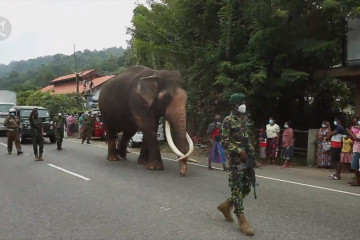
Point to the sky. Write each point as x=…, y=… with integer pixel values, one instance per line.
x=48, y=27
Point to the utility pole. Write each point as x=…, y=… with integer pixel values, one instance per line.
x=76, y=73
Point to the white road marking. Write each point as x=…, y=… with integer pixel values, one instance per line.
x=163, y=208
x=259, y=176
x=69, y=172
x=308, y=185
x=4, y=144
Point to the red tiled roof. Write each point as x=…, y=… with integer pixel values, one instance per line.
x=70, y=86
x=100, y=80
x=71, y=76
x=47, y=88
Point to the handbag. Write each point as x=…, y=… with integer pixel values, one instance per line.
x=326, y=145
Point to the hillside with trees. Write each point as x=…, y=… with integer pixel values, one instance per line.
x=267, y=49
x=37, y=73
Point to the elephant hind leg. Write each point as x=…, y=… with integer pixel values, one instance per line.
x=122, y=148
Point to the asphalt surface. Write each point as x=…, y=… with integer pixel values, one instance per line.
x=98, y=199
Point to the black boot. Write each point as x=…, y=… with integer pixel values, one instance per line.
x=83, y=141
x=88, y=142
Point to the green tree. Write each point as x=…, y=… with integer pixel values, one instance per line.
x=266, y=49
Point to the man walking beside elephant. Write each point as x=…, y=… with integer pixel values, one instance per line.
x=59, y=123
x=238, y=141
x=88, y=127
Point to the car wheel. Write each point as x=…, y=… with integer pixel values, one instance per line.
x=131, y=143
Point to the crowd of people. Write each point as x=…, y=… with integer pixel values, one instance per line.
x=337, y=148
x=272, y=144
x=340, y=149
x=64, y=126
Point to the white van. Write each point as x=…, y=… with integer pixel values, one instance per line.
x=4, y=112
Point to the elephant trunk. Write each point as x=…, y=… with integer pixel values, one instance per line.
x=176, y=115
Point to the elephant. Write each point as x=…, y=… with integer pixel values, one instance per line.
x=135, y=100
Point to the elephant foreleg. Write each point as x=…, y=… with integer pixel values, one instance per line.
x=112, y=153
x=152, y=145
x=144, y=154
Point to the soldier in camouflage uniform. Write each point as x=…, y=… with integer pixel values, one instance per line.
x=59, y=123
x=88, y=128
x=238, y=140
x=37, y=132
x=12, y=124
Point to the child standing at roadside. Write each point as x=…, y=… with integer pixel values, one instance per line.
x=262, y=146
x=346, y=153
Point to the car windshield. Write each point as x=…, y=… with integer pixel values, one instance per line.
x=5, y=107
x=25, y=113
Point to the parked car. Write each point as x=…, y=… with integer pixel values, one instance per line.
x=23, y=112
x=138, y=137
x=4, y=112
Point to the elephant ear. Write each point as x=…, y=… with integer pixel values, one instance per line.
x=147, y=88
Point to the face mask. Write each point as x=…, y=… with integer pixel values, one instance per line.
x=323, y=125
x=271, y=121
x=286, y=126
x=358, y=122
x=344, y=136
x=59, y=114
x=12, y=114
x=335, y=123
x=242, y=108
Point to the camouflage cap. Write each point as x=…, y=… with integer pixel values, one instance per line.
x=237, y=98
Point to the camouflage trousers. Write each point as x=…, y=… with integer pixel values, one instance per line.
x=240, y=185
x=87, y=133
x=38, y=140
x=13, y=136
x=59, y=135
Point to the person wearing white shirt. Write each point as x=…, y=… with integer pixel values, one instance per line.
x=273, y=136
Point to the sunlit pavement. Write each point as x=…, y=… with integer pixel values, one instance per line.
x=77, y=194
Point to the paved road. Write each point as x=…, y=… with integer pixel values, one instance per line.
x=123, y=200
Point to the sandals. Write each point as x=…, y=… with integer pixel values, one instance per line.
x=334, y=177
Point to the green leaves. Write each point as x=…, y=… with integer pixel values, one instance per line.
x=291, y=75
x=266, y=49
x=53, y=102
x=330, y=5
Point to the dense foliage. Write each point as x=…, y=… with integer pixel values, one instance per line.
x=69, y=103
x=36, y=73
x=267, y=49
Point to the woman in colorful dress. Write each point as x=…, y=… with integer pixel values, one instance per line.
x=323, y=154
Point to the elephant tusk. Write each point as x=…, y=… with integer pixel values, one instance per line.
x=170, y=140
x=174, y=148
x=191, y=147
